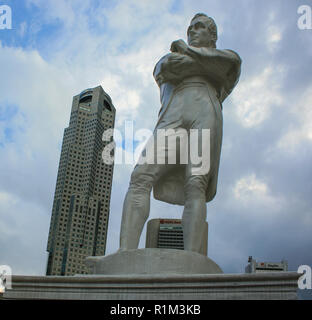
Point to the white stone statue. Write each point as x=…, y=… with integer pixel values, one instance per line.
x=194, y=80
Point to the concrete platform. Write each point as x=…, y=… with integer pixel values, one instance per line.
x=152, y=261
x=260, y=286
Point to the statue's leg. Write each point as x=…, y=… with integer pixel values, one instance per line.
x=194, y=214
x=135, y=209
x=137, y=204
x=195, y=211
x=204, y=122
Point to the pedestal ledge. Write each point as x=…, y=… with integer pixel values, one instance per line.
x=260, y=286
x=152, y=261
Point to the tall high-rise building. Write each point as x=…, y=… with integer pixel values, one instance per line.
x=81, y=204
x=168, y=234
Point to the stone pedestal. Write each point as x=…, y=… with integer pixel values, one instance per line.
x=155, y=274
x=152, y=261
x=279, y=285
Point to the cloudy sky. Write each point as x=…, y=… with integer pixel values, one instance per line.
x=58, y=48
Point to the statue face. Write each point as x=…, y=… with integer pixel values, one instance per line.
x=198, y=34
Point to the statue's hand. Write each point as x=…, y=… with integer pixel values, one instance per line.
x=172, y=69
x=176, y=61
x=179, y=46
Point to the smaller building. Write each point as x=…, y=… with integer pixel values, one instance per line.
x=168, y=234
x=256, y=267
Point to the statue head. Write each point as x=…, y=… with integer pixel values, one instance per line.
x=202, y=31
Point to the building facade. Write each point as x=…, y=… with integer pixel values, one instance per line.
x=262, y=266
x=80, y=213
x=168, y=234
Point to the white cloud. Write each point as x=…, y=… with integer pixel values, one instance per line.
x=300, y=131
x=253, y=193
x=274, y=34
x=247, y=188
x=256, y=95
x=274, y=31
x=274, y=37
x=23, y=230
x=22, y=29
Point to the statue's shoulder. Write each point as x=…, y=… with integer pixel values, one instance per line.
x=162, y=59
x=233, y=73
x=233, y=55
x=157, y=68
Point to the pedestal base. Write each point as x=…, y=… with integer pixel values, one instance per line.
x=153, y=261
x=279, y=285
